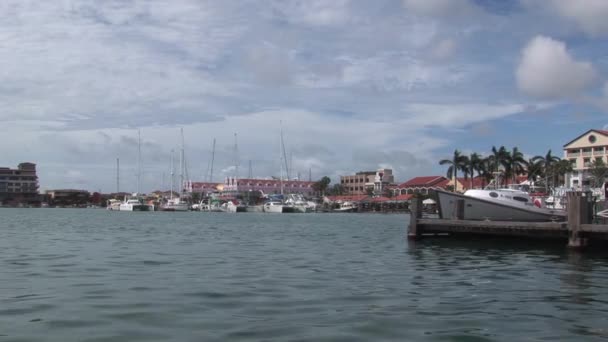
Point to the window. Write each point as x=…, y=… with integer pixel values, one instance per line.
x=493, y=194
x=586, y=162
x=520, y=199
x=592, y=139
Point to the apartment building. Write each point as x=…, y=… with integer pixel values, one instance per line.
x=362, y=182
x=20, y=184
x=582, y=151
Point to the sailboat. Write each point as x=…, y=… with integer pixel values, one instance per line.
x=136, y=202
x=275, y=203
x=177, y=203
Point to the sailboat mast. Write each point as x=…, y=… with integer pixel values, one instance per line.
x=212, y=160
x=281, y=162
x=181, y=164
x=236, y=159
x=138, y=161
x=172, y=174
x=284, y=155
x=117, y=175
x=250, y=174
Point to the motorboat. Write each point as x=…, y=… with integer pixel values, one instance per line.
x=175, y=204
x=497, y=205
x=113, y=204
x=273, y=207
x=296, y=203
x=232, y=207
x=134, y=204
x=346, y=207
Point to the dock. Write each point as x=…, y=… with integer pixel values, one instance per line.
x=578, y=230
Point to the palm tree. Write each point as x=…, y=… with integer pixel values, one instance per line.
x=534, y=169
x=473, y=164
x=456, y=163
x=599, y=172
x=515, y=164
x=561, y=169
x=484, y=170
x=498, y=158
x=547, y=163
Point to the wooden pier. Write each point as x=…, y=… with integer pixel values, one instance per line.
x=578, y=230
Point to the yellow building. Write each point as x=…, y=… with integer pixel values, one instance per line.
x=582, y=151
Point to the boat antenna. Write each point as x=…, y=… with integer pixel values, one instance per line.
x=250, y=174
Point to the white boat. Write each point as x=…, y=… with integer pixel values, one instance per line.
x=346, y=207
x=273, y=207
x=134, y=204
x=497, y=205
x=175, y=204
x=298, y=204
x=231, y=207
x=113, y=204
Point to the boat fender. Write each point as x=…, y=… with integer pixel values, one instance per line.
x=537, y=202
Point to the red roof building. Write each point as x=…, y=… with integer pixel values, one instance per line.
x=422, y=185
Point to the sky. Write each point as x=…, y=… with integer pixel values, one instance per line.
x=353, y=85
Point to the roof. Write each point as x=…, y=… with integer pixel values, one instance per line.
x=381, y=199
x=600, y=131
x=425, y=181
x=404, y=197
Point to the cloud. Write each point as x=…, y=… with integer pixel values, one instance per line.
x=547, y=69
x=441, y=8
x=589, y=15
x=444, y=49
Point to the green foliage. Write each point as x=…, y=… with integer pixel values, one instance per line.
x=599, y=172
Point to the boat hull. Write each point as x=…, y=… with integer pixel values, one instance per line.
x=480, y=209
x=175, y=207
x=134, y=207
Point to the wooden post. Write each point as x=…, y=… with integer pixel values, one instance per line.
x=578, y=213
x=458, y=213
x=415, y=213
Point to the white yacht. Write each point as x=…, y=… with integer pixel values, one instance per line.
x=497, y=205
x=299, y=204
x=346, y=207
x=134, y=204
x=175, y=204
x=273, y=207
x=113, y=204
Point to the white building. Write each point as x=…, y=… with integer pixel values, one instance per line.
x=582, y=151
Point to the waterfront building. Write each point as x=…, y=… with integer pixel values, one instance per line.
x=19, y=185
x=68, y=197
x=363, y=182
x=267, y=186
x=424, y=185
x=581, y=152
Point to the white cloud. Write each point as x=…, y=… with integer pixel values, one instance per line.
x=547, y=69
x=589, y=15
x=441, y=8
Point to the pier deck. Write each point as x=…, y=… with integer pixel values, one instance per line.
x=577, y=230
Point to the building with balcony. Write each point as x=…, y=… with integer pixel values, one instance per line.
x=19, y=185
x=581, y=152
x=266, y=186
x=363, y=182
x=68, y=197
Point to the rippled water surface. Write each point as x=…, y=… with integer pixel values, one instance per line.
x=93, y=275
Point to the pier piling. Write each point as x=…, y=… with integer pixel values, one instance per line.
x=415, y=214
x=578, y=214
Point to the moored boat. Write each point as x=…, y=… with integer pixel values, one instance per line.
x=496, y=205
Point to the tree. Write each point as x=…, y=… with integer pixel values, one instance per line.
x=498, y=158
x=321, y=185
x=560, y=169
x=473, y=165
x=547, y=163
x=456, y=163
x=515, y=164
x=599, y=172
x=534, y=170
x=337, y=190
